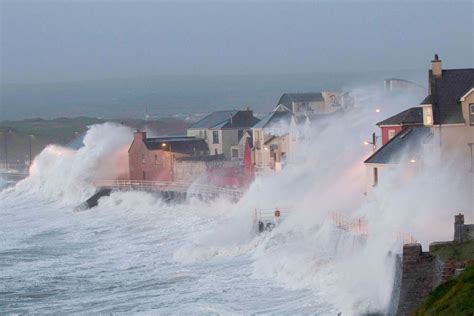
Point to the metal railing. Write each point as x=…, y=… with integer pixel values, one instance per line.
x=358, y=226
x=268, y=214
x=355, y=225
x=176, y=186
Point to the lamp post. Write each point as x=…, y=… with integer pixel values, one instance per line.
x=171, y=158
x=30, y=137
x=5, y=147
x=373, y=142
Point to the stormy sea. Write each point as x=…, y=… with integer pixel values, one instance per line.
x=135, y=253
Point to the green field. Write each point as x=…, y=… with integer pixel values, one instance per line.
x=454, y=251
x=455, y=297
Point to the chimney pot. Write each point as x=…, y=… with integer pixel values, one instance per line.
x=436, y=68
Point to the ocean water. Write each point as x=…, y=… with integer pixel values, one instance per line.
x=134, y=253
x=121, y=257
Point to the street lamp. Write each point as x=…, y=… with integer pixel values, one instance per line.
x=171, y=158
x=30, y=137
x=373, y=142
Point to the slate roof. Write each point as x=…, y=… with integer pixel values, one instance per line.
x=179, y=144
x=409, y=140
x=227, y=119
x=412, y=116
x=427, y=100
x=446, y=92
x=280, y=114
x=288, y=98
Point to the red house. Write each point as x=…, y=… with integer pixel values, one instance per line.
x=153, y=159
x=394, y=124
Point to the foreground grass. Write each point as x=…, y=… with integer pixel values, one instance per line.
x=455, y=297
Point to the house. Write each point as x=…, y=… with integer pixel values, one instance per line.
x=449, y=111
x=222, y=130
x=446, y=125
x=394, y=124
x=324, y=102
x=407, y=144
x=272, y=139
x=238, y=151
x=154, y=159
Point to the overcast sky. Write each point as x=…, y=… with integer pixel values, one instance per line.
x=44, y=41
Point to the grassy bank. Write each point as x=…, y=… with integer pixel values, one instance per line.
x=455, y=297
x=454, y=251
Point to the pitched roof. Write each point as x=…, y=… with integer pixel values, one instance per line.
x=227, y=119
x=280, y=114
x=427, y=100
x=446, y=91
x=411, y=116
x=288, y=98
x=177, y=144
x=407, y=141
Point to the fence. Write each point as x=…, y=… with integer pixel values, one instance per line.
x=167, y=186
x=358, y=226
x=269, y=214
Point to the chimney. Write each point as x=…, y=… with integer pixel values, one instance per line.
x=436, y=66
x=139, y=135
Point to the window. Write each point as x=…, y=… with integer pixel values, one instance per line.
x=235, y=153
x=427, y=116
x=205, y=134
x=156, y=157
x=471, y=114
x=144, y=175
x=391, y=133
x=143, y=158
x=240, y=133
x=216, y=152
x=215, y=137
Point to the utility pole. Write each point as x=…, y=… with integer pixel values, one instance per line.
x=5, y=148
x=373, y=142
x=29, y=143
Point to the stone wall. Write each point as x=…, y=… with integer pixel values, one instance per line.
x=462, y=232
x=421, y=273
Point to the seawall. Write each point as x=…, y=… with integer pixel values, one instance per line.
x=421, y=272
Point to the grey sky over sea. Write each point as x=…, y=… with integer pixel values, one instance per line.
x=71, y=41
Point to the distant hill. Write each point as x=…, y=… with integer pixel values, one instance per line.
x=15, y=135
x=168, y=96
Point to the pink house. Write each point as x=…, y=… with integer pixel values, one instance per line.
x=394, y=124
x=153, y=159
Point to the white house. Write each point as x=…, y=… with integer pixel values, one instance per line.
x=223, y=130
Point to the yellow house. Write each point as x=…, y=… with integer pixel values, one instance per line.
x=448, y=127
x=449, y=111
